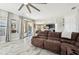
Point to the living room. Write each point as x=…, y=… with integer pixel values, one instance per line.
x=39, y=29
x=63, y=38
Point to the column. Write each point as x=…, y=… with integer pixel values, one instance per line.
x=26, y=27
x=8, y=31
x=34, y=27
x=22, y=28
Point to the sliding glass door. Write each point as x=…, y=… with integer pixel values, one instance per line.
x=3, y=27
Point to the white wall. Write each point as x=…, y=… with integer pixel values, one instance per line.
x=77, y=20
x=72, y=22
x=49, y=21
x=58, y=21
x=59, y=24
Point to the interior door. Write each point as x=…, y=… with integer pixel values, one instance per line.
x=14, y=30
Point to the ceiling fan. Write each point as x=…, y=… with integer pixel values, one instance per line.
x=30, y=5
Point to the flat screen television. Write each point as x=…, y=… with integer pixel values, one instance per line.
x=51, y=25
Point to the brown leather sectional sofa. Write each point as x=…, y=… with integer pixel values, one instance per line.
x=53, y=41
x=70, y=46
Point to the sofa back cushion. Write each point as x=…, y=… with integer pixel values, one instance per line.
x=43, y=34
x=74, y=35
x=77, y=42
x=43, y=37
x=54, y=34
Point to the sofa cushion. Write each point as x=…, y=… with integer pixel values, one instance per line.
x=53, y=46
x=77, y=39
x=74, y=35
x=43, y=33
x=77, y=44
x=67, y=41
x=51, y=38
x=54, y=34
x=65, y=47
x=38, y=42
x=43, y=37
x=46, y=31
x=35, y=37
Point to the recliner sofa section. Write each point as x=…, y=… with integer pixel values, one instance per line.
x=53, y=41
x=67, y=46
x=38, y=40
x=47, y=40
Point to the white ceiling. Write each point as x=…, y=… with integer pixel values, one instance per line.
x=47, y=11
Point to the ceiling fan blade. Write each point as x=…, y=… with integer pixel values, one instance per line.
x=28, y=8
x=33, y=7
x=20, y=7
